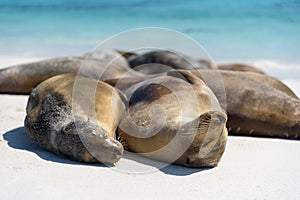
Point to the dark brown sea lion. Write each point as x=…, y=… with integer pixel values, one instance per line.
x=76, y=117
x=21, y=79
x=175, y=119
x=163, y=61
x=240, y=67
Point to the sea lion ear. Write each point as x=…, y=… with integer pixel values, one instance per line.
x=186, y=76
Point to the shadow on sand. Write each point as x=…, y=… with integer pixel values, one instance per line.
x=18, y=139
x=157, y=165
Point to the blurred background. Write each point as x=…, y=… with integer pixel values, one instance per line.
x=264, y=33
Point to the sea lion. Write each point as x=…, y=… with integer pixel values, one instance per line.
x=63, y=117
x=175, y=119
x=21, y=79
x=257, y=105
x=240, y=67
x=163, y=61
x=101, y=65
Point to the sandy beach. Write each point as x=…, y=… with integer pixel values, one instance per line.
x=251, y=168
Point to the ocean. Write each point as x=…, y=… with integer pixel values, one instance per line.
x=264, y=33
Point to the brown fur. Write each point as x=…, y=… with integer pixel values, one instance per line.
x=179, y=130
x=67, y=116
x=257, y=104
x=240, y=67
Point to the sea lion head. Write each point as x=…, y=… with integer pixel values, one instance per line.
x=208, y=135
x=96, y=141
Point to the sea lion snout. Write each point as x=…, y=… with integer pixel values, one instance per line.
x=109, y=152
x=97, y=142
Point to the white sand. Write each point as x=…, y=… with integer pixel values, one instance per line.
x=251, y=168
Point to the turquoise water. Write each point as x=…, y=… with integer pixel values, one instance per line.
x=228, y=29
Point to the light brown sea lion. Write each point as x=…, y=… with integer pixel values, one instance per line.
x=163, y=61
x=21, y=79
x=257, y=104
x=76, y=117
x=175, y=119
x=240, y=67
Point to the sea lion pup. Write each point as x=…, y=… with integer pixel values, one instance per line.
x=240, y=67
x=163, y=61
x=257, y=105
x=175, y=119
x=21, y=79
x=76, y=117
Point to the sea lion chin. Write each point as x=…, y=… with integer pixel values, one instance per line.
x=63, y=122
x=175, y=119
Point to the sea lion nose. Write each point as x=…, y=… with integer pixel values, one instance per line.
x=117, y=152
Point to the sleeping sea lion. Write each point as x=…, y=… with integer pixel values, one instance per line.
x=257, y=104
x=21, y=79
x=175, y=119
x=76, y=117
x=163, y=61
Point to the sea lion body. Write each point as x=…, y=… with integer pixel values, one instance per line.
x=175, y=121
x=21, y=79
x=100, y=65
x=257, y=105
x=63, y=117
x=240, y=67
x=163, y=61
